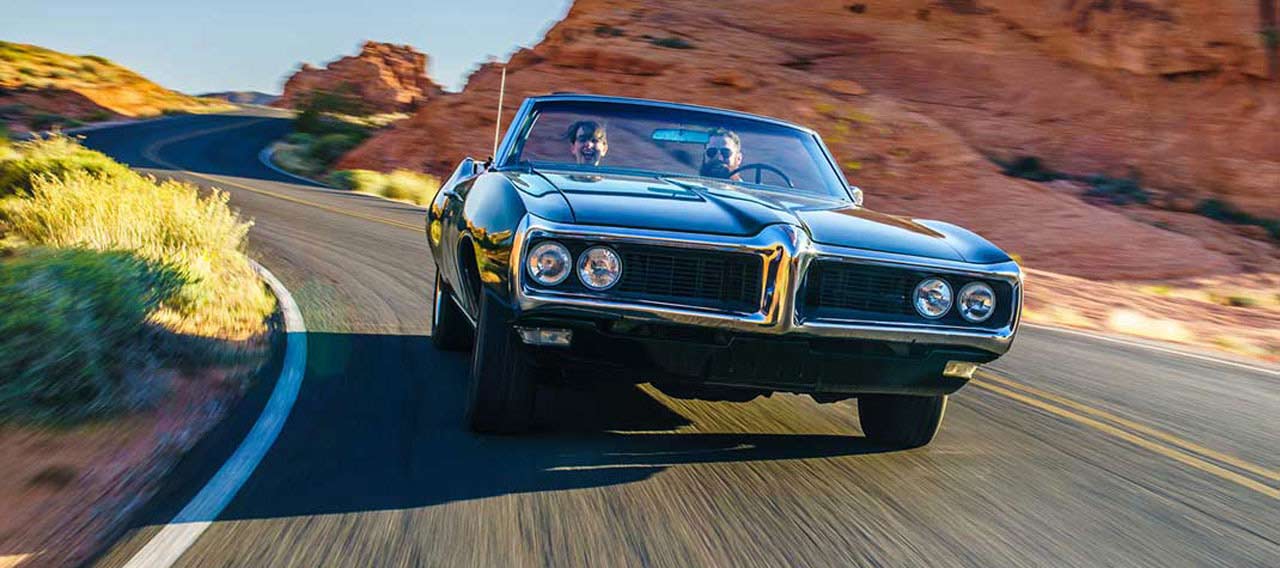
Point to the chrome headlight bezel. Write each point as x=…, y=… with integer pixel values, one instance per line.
x=968, y=290
x=945, y=293
x=535, y=270
x=591, y=254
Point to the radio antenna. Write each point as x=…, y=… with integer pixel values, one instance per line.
x=497, y=127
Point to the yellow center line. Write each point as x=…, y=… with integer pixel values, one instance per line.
x=151, y=152
x=1135, y=426
x=1166, y=451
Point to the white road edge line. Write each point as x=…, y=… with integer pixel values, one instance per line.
x=265, y=156
x=1255, y=368
x=168, y=545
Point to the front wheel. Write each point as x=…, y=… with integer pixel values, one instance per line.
x=901, y=420
x=450, y=330
x=502, y=393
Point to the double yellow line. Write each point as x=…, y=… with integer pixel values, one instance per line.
x=152, y=152
x=1183, y=451
x=1165, y=444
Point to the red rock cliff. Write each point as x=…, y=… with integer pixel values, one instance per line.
x=915, y=97
x=384, y=77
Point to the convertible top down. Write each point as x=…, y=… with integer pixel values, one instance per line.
x=715, y=254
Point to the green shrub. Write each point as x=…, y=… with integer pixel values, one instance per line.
x=340, y=101
x=1220, y=210
x=1030, y=168
x=1119, y=191
x=363, y=181
x=72, y=328
x=411, y=186
x=55, y=156
x=671, y=42
x=328, y=148
x=167, y=223
x=402, y=185
x=606, y=30
x=300, y=138
x=50, y=121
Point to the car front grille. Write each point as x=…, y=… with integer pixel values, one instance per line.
x=710, y=279
x=860, y=287
x=696, y=278
x=870, y=292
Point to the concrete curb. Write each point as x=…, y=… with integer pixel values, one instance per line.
x=267, y=157
x=168, y=545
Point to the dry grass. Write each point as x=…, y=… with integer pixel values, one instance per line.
x=106, y=274
x=54, y=156
x=402, y=185
x=30, y=66
x=164, y=222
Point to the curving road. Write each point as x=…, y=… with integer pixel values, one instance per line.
x=1072, y=450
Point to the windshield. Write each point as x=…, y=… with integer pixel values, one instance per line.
x=612, y=137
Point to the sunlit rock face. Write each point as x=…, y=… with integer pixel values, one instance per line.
x=383, y=77
x=917, y=98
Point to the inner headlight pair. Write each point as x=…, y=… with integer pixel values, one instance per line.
x=975, y=302
x=599, y=267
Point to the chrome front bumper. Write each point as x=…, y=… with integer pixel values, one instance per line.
x=787, y=253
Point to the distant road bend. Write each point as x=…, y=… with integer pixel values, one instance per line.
x=1071, y=450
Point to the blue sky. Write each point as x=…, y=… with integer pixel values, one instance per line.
x=255, y=44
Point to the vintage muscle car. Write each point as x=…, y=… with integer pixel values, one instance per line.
x=715, y=254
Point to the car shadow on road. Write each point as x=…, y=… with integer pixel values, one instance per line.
x=378, y=425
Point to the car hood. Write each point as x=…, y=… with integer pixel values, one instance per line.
x=697, y=205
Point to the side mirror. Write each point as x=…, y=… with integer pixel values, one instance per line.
x=857, y=195
x=467, y=169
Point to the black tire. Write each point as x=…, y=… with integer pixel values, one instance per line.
x=899, y=420
x=503, y=384
x=450, y=330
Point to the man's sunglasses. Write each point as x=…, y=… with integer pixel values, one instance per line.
x=724, y=152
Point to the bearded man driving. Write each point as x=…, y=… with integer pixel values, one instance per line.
x=722, y=154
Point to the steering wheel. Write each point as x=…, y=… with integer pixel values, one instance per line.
x=760, y=167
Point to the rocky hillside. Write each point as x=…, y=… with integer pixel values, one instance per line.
x=1173, y=104
x=41, y=88
x=383, y=77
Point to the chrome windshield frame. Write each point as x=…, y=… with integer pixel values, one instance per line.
x=787, y=252
x=521, y=124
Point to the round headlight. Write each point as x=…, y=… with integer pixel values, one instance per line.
x=932, y=298
x=976, y=302
x=599, y=268
x=549, y=263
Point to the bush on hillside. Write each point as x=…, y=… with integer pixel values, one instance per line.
x=73, y=329
x=402, y=185
x=163, y=222
x=55, y=156
x=363, y=181
x=328, y=148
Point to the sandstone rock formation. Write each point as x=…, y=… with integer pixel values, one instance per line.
x=917, y=97
x=383, y=78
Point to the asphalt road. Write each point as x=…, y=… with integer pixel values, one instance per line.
x=1069, y=451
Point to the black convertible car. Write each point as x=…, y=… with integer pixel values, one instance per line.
x=715, y=254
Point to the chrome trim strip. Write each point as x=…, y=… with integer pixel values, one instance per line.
x=786, y=252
